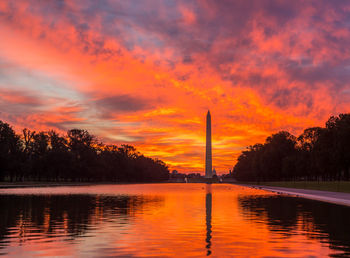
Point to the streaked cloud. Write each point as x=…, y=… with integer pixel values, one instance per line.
x=145, y=72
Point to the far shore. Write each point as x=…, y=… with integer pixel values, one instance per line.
x=324, y=196
x=27, y=184
x=7, y=185
x=331, y=186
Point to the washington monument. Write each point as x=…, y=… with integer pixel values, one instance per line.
x=208, y=156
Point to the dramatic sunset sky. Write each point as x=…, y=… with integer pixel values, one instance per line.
x=146, y=72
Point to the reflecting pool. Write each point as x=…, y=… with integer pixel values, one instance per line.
x=161, y=220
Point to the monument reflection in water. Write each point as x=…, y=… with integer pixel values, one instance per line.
x=162, y=220
x=208, y=204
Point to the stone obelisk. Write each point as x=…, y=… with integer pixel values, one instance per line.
x=208, y=156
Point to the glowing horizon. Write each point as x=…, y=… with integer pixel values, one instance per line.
x=146, y=72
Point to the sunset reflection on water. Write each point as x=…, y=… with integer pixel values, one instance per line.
x=168, y=220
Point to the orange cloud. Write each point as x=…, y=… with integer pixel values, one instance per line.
x=147, y=76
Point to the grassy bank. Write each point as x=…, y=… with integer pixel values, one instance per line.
x=333, y=186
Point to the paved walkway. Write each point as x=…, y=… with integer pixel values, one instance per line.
x=325, y=196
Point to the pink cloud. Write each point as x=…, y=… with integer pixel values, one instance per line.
x=146, y=74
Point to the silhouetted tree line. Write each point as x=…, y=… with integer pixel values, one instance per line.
x=76, y=156
x=317, y=154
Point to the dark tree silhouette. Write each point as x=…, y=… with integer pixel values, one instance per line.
x=10, y=150
x=317, y=154
x=76, y=156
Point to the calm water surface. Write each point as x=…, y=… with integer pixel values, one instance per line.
x=159, y=220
